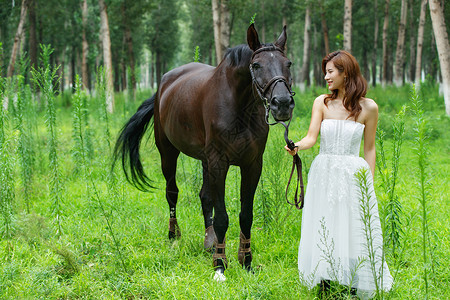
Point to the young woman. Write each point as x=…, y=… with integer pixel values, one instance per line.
x=333, y=243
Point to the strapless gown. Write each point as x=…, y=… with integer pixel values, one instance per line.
x=333, y=243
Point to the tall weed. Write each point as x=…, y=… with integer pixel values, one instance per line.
x=421, y=142
x=46, y=78
x=7, y=194
x=392, y=210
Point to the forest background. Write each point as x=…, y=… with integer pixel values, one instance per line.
x=72, y=72
x=138, y=41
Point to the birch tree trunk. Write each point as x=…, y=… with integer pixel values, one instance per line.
x=420, y=31
x=348, y=26
x=216, y=21
x=326, y=39
x=375, y=45
x=304, y=73
x=107, y=60
x=84, y=47
x=224, y=27
x=400, y=52
x=32, y=28
x=17, y=39
x=384, y=70
x=412, y=43
x=443, y=47
x=129, y=45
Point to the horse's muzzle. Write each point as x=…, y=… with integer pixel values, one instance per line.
x=282, y=107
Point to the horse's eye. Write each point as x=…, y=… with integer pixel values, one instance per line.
x=256, y=66
x=289, y=64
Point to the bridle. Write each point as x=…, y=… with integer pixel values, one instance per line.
x=262, y=90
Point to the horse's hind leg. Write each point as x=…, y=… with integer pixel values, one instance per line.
x=207, y=208
x=169, y=155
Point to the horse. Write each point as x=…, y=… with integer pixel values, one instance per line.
x=220, y=116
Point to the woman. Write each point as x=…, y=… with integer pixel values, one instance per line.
x=333, y=244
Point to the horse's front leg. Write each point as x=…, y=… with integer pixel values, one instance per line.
x=217, y=171
x=249, y=181
x=207, y=208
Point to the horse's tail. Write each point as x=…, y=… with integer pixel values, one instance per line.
x=129, y=141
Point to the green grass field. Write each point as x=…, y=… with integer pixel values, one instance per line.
x=114, y=241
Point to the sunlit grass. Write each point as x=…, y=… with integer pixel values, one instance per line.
x=84, y=261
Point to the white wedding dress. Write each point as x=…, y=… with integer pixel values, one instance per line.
x=333, y=243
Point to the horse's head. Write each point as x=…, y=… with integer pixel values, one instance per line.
x=271, y=76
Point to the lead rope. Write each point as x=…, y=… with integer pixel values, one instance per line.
x=299, y=200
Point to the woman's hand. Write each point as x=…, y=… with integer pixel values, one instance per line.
x=291, y=152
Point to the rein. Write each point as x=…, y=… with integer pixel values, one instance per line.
x=299, y=200
x=297, y=162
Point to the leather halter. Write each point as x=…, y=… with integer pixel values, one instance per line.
x=262, y=90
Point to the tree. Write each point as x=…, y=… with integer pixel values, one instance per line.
x=323, y=19
x=420, y=31
x=84, y=46
x=412, y=42
x=384, y=70
x=443, y=47
x=221, y=21
x=107, y=60
x=304, y=73
x=17, y=38
x=33, y=43
x=375, y=45
x=348, y=25
x=400, y=52
x=162, y=30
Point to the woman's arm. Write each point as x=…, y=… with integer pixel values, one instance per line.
x=314, y=127
x=370, y=131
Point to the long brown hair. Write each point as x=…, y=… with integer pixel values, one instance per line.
x=354, y=82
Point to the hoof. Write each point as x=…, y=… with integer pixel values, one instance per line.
x=210, y=236
x=219, y=276
x=174, y=229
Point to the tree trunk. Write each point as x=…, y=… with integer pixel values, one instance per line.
x=412, y=43
x=107, y=61
x=84, y=47
x=326, y=40
x=420, y=31
x=443, y=47
x=224, y=27
x=32, y=40
x=400, y=52
x=348, y=26
x=304, y=73
x=131, y=60
x=375, y=45
x=384, y=70
x=17, y=38
x=216, y=22
x=158, y=66
x=221, y=20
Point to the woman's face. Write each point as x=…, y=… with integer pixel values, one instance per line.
x=333, y=77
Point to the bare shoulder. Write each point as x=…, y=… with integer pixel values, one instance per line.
x=369, y=110
x=369, y=105
x=320, y=100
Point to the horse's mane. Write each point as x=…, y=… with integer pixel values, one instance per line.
x=240, y=55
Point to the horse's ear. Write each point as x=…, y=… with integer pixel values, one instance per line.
x=281, y=42
x=252, y=38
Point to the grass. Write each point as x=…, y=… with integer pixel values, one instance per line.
x=84, y=262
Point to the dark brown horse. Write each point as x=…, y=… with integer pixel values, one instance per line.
x=218, y=115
